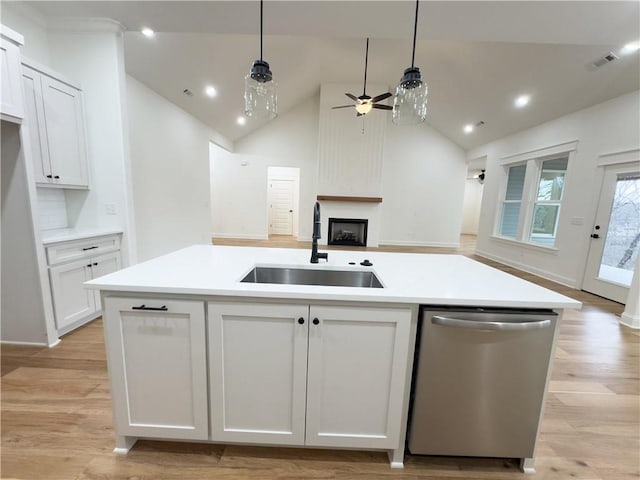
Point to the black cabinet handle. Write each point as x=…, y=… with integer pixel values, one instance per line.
x=89, y=248
x=316, y=321
x=57, y=177
x=95, y=263
x=595, y=235
x=301, y=321
x=144, y=307
x=49, y=176
x=89, y=265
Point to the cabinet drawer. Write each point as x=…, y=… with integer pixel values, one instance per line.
x=87, y=247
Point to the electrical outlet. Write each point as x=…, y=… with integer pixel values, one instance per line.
x=110, y=208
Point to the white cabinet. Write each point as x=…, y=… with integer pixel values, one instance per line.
x=70, y=265
x=11, y=105
x=158, y=376
x=258, y=371
x=55, y=121
x=314, y=375
x=356, y=376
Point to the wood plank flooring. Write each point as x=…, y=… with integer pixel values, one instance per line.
x=56, y=414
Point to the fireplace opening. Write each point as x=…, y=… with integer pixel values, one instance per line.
x=348, y=231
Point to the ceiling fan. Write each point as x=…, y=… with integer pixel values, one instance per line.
x=364, y=103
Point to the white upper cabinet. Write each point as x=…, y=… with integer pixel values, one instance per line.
x=11, y=105
x=54, y=118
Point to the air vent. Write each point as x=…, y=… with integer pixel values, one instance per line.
x=608, y=58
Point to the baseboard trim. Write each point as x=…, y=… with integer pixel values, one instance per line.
x=243, y=236
x=631, y=321
x=406, y=243
x=567, y=282
x=24, y=344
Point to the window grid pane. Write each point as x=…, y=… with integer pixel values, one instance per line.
x=510, y=218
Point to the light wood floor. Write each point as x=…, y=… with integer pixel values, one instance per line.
x=56, y=415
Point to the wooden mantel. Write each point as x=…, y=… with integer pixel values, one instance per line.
x=335, y=198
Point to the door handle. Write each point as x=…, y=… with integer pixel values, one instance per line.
x=594, y=235
x=290, y=211
x=504, y=326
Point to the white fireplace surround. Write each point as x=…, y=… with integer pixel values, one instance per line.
x=368, y=211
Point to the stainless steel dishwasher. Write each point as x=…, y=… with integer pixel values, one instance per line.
x=479, y=381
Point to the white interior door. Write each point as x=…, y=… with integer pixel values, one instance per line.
x=281, y=207
x=616, y=234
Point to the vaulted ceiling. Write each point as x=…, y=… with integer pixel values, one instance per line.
x=476, y=56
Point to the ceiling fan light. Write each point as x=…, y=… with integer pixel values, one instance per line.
x=364, y=108
x=410, y=100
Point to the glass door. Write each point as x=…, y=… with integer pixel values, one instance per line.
x=615, y=239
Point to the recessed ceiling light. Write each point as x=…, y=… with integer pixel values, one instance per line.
x=210, y=91
x=468, y=128
x=630, y=48
x=147, y=32
x=241, y=120
x=522, y=101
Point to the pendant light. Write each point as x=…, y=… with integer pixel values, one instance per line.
x=260, y=99
x=410, y=100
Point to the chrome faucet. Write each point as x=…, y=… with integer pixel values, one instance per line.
x=315, y=255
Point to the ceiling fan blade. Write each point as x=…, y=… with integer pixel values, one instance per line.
x=380, y=97
x=382, y=107
x=352, y=97
x=342, y=106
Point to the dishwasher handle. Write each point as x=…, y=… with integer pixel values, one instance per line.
x=480, y=325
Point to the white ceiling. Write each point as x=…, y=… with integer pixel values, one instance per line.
x=476, y=56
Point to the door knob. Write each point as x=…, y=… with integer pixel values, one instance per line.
x=595, y=235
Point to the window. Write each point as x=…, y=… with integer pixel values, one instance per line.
x=546, y=209
x=512, y=201
x=533, y=196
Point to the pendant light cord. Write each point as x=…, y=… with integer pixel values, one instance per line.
x=261, y=32
x=415, y=31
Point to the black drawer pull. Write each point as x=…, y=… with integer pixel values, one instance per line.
x=89, y=265
x=89, y=248
x=56, y=177
x=49, y=176
x=163, y=308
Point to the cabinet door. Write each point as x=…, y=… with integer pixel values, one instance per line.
x=11, y=90
x=258, y=364
x=71, y=301
x=103, y=265
x=34, y=123
x=157, y=366
x=64, y=119
x=356, y=377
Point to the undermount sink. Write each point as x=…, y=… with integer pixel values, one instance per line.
x=303, y=276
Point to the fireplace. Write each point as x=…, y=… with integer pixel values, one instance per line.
x=348, y=231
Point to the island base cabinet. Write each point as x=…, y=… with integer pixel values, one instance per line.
x=358, y=359
x=158, y=368
x=326, y=376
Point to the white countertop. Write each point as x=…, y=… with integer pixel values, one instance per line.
x=69, y=234
x=407, y=278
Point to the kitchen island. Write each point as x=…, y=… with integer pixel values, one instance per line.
x=196, y=354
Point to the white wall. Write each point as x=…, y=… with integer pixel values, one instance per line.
x=239, y=193
x=608, y=127
x=422, y=171
x=25, y=20
x=423, y=181
x=170, y=173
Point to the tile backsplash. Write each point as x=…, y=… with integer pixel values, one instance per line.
x=52, y=208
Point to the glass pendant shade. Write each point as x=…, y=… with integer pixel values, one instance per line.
x=410, y=100
x=260, y=98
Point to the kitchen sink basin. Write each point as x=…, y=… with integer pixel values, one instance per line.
x=303, y=276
